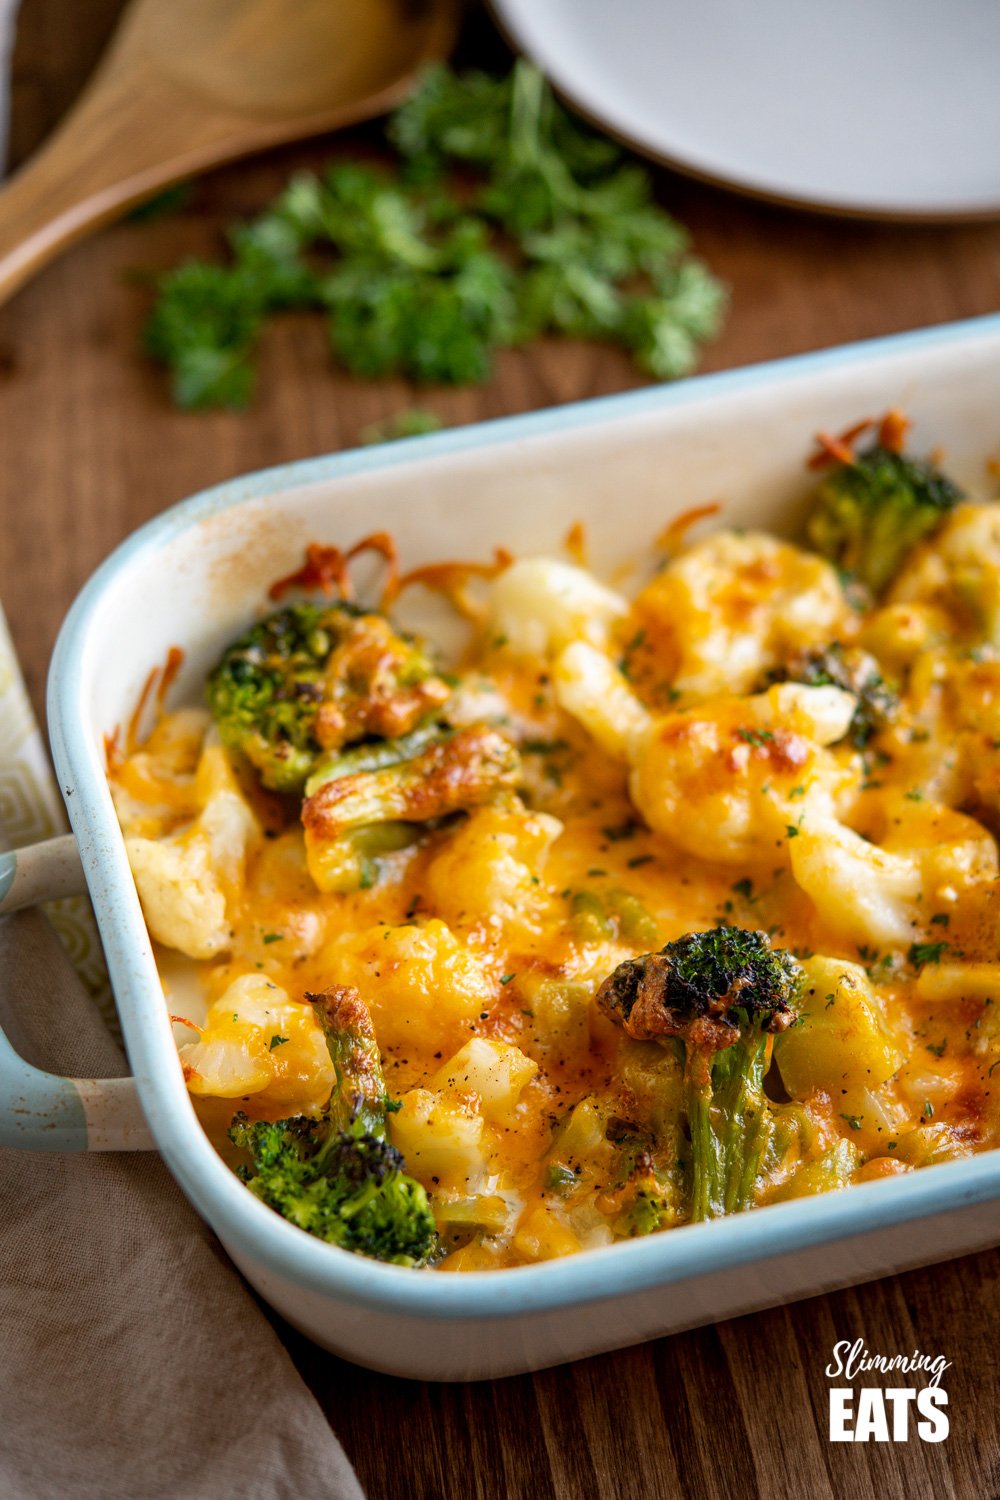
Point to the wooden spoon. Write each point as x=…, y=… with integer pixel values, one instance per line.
x=186, y=84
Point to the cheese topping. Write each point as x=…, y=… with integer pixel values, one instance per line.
x=607, y=776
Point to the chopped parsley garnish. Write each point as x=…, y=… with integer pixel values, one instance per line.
x=920, y=954
x=413, y=422
x=755, y=737
x=619, y=831
x=550, y=231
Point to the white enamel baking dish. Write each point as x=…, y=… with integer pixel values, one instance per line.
x=194, y=577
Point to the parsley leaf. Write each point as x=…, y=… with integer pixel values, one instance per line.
x=925, y=953
x=549, y=230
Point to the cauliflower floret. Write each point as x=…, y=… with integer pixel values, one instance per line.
x=953, y=850
x=590, y=687
x=441, y=1140
x=975, y=689
x=845, y=1046
x=958, y=570
x=882, y=893
x=842, y=1036
x=975, y=694
x=182, y=900
x=948, y=983
x=736, y=605
x=727, y=781
x=864, y=892
x=258, y=1041
x=489, y=869
x=422, y=984
x=184, y=880
x=495, y=1072
x=899, y=634
x=154, y=788
x=543, y=1235
x=539, y=605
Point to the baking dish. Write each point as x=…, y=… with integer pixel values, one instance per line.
x=623, y=466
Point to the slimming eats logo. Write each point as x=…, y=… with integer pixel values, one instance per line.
x=880, y=1414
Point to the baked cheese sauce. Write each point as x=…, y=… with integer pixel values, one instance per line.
x=674, y=776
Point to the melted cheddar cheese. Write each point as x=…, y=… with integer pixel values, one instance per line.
x=673, y=776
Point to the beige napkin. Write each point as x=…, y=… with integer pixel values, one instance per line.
x=134, y=1364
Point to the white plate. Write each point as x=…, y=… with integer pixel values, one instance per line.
x=888, y=108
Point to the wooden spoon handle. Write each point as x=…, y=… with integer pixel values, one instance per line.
x=106, y=154
x=268, y=71
x=116, y=147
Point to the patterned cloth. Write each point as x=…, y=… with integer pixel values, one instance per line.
x=134, y=1364
x=31, y=809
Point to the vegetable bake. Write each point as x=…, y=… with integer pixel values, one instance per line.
x=643, y=911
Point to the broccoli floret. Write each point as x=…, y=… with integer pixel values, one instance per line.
x=858, y=673
x=365, y=802
x=337, y=1176
x=715, y=996
x=651, y=1208
x=311, y=678
x=342, y=1186
x=646, y=1192
x=868, y=514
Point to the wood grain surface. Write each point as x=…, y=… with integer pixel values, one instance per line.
x=90, y=448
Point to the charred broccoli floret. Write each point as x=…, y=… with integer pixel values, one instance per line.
x=313, y=677
x=337, y=1176
x=858, y=673
x=715, y=996
x=365, y=802
x=869, y=513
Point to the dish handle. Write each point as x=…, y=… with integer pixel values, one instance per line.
x=42, y=1111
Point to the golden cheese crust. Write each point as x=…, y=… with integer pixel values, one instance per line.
x=608, y=775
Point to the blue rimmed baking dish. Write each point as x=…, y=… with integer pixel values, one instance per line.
x=192, y=578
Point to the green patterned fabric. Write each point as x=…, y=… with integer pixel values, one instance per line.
x=31, y=809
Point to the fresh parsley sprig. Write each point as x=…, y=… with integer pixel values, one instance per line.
x=505, y=218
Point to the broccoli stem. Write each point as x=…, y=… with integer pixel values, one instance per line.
x=349, y=817
x=745, y=1107
x=374, y=756
x=729, y=1122
x=716, y=997
x=358, y=1098
x=704, y=1151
